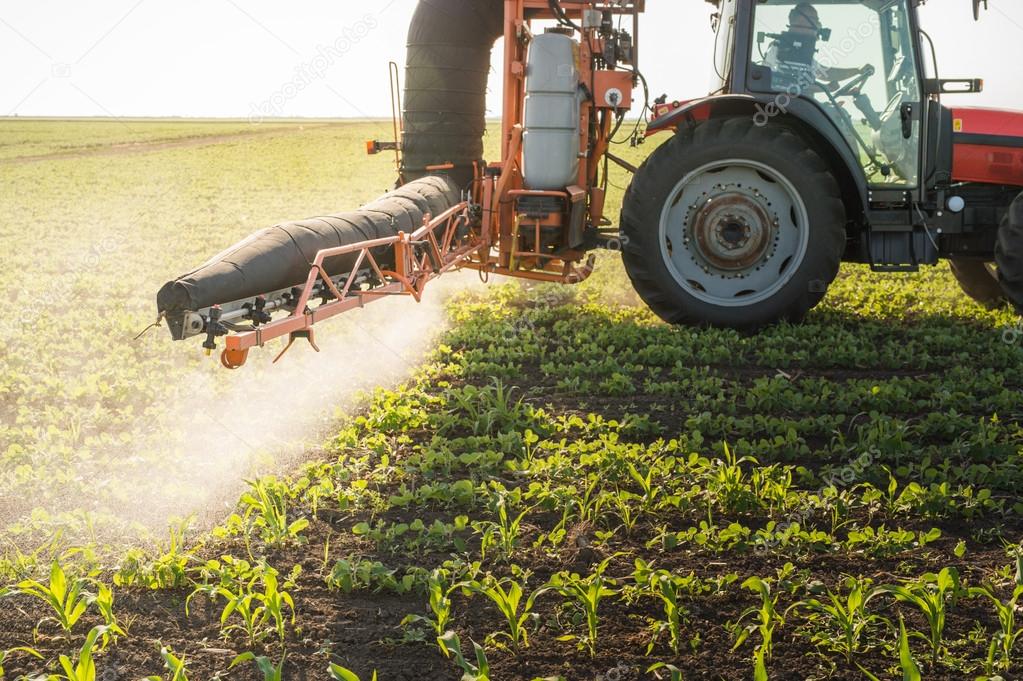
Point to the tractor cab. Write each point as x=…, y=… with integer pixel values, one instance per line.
x=850, y=68
x=856, y=63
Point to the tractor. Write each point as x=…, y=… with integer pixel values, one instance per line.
x=823, y=141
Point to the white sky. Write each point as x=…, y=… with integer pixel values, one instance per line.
x=225, y=57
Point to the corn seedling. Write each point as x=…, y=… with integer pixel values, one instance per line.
x=104, y=603
x=5, y=654
x=245, y=605
x=174, y=664
x=269, y=670
x=84, y=668
x=843, y=620
x=647, y=485
x=508, y=601
x=675, y=672
x=339, y=673
x=587, y=592
x=488, y=410
x=267, y=509
x=668, y=589
x=275, y=600
x=910, y=670
x=589, y=502
x=502, y=535
x=440, y=605
x=930, y=596
x=67, y=600
x=254, y=608
x=1005, y=639
x=728, y=487
x=765, y=620
x=473, y=672
x=169, y=570
x=621, y=502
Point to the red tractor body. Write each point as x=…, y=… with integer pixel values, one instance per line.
x=988, y=146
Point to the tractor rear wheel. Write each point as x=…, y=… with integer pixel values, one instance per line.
x=732, y=224
x=979, y=280
x=1009, y=254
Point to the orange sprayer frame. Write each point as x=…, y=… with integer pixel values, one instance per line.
x=419, y=257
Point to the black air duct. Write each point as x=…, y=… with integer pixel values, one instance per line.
x=280, y=257
x=449, y=48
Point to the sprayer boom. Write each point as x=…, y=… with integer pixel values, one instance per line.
x=439, y=245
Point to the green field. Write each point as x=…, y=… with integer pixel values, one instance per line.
x=561, y=480
x=100, y=433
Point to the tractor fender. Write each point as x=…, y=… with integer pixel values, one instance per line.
x=804, y=117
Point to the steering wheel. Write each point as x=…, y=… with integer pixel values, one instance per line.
x=854, y=89
x=855, y=86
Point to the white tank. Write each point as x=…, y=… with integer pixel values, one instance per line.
x=550, y=141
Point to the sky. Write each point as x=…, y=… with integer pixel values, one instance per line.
x=319, y=58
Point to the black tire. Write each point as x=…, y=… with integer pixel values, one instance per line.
x=978, y=281
x=658, y=182
x=1009, y=255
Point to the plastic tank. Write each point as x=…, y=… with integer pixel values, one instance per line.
x=551, y=136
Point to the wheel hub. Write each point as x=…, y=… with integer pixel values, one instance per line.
x=731, y=231
x=734, y=232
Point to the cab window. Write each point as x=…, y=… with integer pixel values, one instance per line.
x=855, y=61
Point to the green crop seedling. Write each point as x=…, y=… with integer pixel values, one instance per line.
x=587, y=592
x=1009, y=633
x=507, y=596
x=168, y=570
x=668, y=589
x=339, y=673
x=840, y=623
x=440, y=605
x=172, y=663
x=11, y=652
x=765, y=621
x=930, y=595
x=266, y=507
x=480, y=671
x=262, y=600
x=66, y=599
x=266, y=667
x=84, y=667
x=502, y=535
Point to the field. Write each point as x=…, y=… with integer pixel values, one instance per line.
x=537, y=482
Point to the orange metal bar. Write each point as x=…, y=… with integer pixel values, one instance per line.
x=409, y=278
x=502, y=209
x=514, y=71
